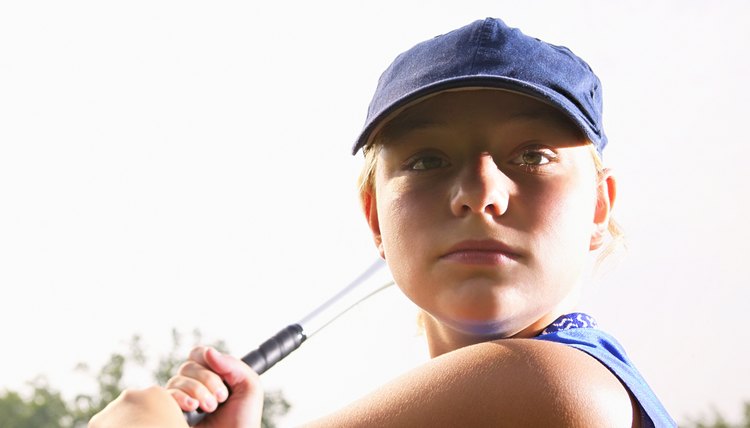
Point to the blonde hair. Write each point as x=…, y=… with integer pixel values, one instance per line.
x=616, y=232
x=366, y=180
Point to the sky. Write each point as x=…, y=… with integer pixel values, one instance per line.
x=187, y=164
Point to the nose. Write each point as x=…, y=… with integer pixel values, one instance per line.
x=481, y=188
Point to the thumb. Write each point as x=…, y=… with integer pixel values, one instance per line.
x=234, y=372
x=244, y=406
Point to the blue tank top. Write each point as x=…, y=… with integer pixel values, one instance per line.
x=579, y=331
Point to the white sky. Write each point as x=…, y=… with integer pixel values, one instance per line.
x=186, y=164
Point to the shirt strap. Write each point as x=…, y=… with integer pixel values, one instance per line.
x=569, y=321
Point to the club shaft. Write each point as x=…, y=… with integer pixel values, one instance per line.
x=291, y=337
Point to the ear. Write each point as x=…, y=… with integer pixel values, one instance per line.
x=370, y=207
x=606, y=193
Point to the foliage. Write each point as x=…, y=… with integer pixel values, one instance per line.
x=718, y=421
x=44, y=406
x=274, y=407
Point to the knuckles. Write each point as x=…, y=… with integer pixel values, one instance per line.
x=188, y=367
x=191, y=372
x=131, y=395
x=197, y=353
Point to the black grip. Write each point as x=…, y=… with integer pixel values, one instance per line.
x=275, y=349
x=263, y=358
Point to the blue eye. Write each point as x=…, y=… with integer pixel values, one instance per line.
x=427, y=162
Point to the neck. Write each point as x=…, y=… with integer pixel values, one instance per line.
x=442, y=338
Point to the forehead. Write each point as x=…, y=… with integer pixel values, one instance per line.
x=493, y=105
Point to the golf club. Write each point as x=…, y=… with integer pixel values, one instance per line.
x=291, y=337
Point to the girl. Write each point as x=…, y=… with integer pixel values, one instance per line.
x=484, y=191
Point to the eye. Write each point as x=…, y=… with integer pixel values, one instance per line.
x=533, y=157
x=426, y=162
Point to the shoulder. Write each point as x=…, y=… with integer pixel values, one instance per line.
x=512, y=382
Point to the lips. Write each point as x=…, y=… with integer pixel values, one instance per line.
x=485, y=251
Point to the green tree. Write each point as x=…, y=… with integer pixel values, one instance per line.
x=44, y=406
x=274, y=407
x=718, y=421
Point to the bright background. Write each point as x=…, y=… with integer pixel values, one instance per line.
x=186, y=164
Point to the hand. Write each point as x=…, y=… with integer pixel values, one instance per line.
x=147, y=408
x=202, y=382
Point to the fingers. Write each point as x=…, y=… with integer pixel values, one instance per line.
x=197, y=354
x=196, y=385
x=245, y=404
x=205, y=381
x=185, y=401
x=232, y=371
x=202, y=380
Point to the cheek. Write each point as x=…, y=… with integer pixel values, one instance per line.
x=398, y=219
x=564, y=216
x=408, y=220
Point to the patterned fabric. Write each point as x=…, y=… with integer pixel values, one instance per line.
x=579, y=331
x=573, y=320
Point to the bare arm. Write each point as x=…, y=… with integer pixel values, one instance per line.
x=514, y=382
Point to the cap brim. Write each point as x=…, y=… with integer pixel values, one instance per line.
x=474, y=82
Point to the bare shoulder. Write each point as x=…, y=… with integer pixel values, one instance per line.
x=515, y=382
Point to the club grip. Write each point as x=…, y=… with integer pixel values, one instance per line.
x=275, y=349
x=263, y=358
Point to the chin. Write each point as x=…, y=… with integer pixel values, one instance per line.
x=481, y=309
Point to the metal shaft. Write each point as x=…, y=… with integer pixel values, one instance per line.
x=291, y=337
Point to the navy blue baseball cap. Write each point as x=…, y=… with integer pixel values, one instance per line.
x=489, y=54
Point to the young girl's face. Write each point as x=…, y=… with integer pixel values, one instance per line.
x=486, y=204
